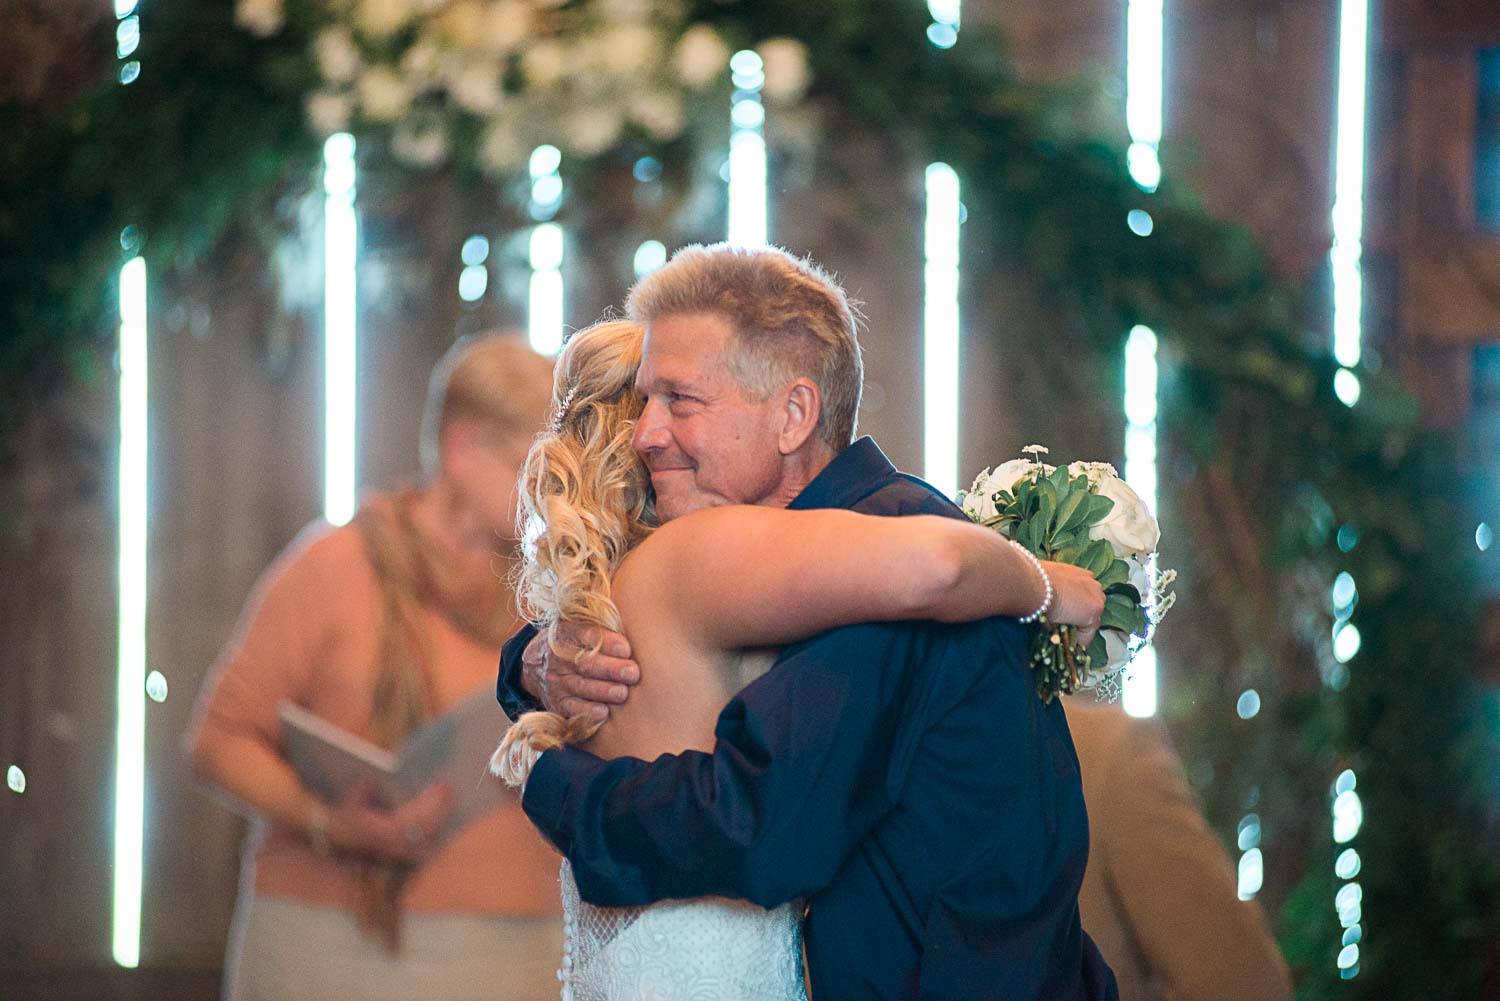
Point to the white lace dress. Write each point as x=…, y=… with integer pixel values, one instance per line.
x=708, y=949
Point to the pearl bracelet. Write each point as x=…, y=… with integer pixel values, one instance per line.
x=1046, y=604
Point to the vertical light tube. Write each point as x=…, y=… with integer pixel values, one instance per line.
x=1144, y=48
x=747, y=151
x=940, y=330
x=544, y=310
x=130, y=735
x=545, y=320
x=1348, y=295
x=940, y=319
x=1348, y=190
x=1139, y=692
x=340, y=331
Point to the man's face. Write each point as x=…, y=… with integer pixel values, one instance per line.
x=706, y=443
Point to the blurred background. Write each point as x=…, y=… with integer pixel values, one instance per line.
x=1248, y=251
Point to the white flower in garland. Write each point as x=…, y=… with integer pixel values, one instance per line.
x=329, y=112
x=787, y=73
x=418, y=145
x=337, y=56
x=700, y=56
x=660, y=113
x=262, y=18
x=383, y=94
x=592, y=130
x=380, y=19
x=518, y=73
x=507, y=26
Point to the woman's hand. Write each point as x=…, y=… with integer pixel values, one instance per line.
x=1078, y=599
x=359, y=825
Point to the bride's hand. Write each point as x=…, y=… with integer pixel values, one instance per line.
x=1078, y=599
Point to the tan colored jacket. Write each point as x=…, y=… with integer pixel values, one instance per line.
x=1160, y=896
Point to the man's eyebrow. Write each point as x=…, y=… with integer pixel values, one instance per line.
x=664, y=384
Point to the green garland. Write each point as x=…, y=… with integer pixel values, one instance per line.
x=213, y=134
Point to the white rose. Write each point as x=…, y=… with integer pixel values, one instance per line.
x=338, y=59
x=506, y=26
x=476, y=87
x=544, y=64
x=421, y=147
x=787, y=75
x=1116, y=651
x=591, y=130
x=978, y=503
x=1008, y=474
x=1095, y=471
x=1129, y=527
x=1139, y=578
x=383, y=95
x=380, y=19
x=659, y=113
x=701, y=56
x=500, y=151
x=262, y=18
x=329, y=112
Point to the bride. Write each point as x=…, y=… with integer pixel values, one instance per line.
x=704, y=601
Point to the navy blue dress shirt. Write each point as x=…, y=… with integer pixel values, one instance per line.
x=902, y=777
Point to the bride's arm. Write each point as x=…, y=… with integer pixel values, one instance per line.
x=756, y=576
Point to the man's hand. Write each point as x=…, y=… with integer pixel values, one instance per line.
x=1077, y=599
x=360, y=825
x=571, y=681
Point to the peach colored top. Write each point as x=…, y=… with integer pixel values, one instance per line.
x=310, y=635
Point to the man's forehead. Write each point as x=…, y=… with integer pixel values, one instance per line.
x=682, y=349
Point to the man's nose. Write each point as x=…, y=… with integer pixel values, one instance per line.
x=650, y=429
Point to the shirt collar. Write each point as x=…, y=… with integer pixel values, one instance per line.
x=851, y=476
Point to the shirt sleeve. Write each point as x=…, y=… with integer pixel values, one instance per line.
x=813, y=745
x=1177, y=886
x=513, y=698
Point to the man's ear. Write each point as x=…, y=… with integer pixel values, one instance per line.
x=800, y=412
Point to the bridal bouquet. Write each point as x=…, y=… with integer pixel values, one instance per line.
x=1086, y=515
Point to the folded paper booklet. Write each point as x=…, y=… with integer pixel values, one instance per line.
x=454, y=748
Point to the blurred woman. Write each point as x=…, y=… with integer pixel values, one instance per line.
x=378, y=626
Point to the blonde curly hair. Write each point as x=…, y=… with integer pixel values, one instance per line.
x=585, y=497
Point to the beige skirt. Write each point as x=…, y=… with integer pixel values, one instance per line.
x=287, y=950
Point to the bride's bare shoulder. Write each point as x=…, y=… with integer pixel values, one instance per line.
x=692, y=539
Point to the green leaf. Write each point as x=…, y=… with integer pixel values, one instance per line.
x=1098, y=652
x=1070, y=511
x=1116, y=573
x=1124, y=589
x=1099, y=507
x=1046, y=501
x=1115, y=617
x=1097, y=557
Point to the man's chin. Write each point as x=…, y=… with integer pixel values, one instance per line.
x=669, y=507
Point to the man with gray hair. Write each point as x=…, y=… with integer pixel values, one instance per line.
x=902, y=777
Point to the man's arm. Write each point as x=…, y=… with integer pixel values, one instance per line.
x=809, y=747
